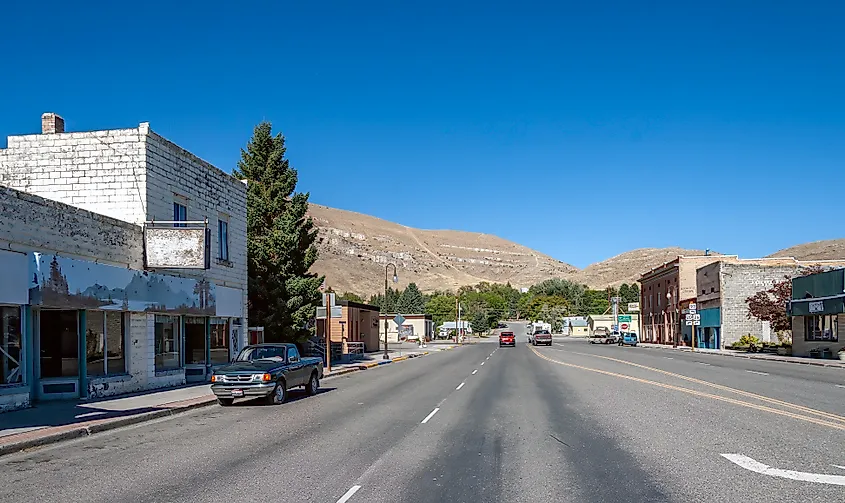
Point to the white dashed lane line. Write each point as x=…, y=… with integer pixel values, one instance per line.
x=460, y=386
x=352, y=490
x=474, y=371
x=430, y=415
x=758, y=373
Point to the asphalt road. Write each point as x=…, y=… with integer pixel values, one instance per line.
x=571, y=422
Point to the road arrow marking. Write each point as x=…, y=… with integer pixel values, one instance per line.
x=756, y=466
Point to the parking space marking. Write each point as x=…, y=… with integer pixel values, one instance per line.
x=460, y=386
x=758, y=373
x=352, y=490
x=430, y=415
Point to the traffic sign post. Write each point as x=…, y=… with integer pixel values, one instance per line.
x=692, y=320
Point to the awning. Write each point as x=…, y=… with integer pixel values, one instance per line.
x=812, y=306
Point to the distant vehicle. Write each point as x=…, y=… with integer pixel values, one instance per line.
x=601, y=331
x=507, y=339
x=502, y=325
x=614, y=338
x=628, y=339
x=267, y=371
x=541, y=337
x=601, y=336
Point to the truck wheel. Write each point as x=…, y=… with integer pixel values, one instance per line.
x=226, y=402
x=278, y=396
x=313, y=384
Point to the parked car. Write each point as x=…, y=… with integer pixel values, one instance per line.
x=267, y=371
x=507, y=339
x=628, y=339
x=598, y=339
x=614, y=338
x=541, y=337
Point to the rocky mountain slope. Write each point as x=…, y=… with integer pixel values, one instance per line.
x=354, y=249
x=817, y=250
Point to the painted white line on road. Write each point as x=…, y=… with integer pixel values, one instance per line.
x=839, y=466
x=759, y=373
x=430, y=415
x=756, y=466
x=668, y=357
x=460, y=386
x=352, y=490
x=88, y=414
x=482, y=363
x=474, y=371
x=840, y=385
x=702, y=363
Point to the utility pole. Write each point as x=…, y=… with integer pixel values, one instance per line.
x=457, y=319
x=328, y=332
x=615, y=304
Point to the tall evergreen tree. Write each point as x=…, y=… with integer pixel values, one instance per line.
x=280, y=240
x=411, y=301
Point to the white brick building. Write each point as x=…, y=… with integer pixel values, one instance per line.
x=171, y=325
x=722, y=288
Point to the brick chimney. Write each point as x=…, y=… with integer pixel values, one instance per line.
x=52, y=123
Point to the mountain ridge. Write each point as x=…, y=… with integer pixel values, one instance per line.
x=355, y=248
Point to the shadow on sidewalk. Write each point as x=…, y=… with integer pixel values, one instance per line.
x=68, y=412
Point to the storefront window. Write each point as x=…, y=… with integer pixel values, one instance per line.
x=115, y=336
x=194, y=340
x=95, y=342
x=219, y=340
x=821, y=328
x=104, y=334
x=10, y=345
x=167, y=343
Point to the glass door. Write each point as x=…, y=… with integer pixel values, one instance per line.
x=58, y=350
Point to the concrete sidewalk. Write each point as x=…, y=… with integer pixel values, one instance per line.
x=752, y=356
x=51, y=422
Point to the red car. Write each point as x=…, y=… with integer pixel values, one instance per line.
x=507, y=339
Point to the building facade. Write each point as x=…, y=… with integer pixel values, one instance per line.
x=99, y=320
x=818, y=312
x=414, y=327
x=664, y=290
x=358, y=324
x=607, y=321
x=723, y=287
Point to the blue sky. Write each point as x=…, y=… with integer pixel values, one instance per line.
x=580, y=129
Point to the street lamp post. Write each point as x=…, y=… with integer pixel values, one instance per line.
x=384, y=304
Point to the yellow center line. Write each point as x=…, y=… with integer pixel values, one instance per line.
x=762, y=398
x=700, y=394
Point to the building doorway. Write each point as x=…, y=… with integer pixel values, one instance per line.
x=196, y=347
x=58, y=350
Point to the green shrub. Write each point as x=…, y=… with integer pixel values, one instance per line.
x=748, y=339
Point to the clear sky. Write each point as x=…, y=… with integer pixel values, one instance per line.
x=581, y=129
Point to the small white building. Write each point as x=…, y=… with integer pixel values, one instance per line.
x=414, y=327
x=449, y=326
x=86, y=311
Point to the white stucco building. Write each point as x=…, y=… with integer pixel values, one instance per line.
x=80, y=294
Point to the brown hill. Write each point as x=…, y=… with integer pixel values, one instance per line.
x=354, y=249
x=817, y=250
x=627, y=267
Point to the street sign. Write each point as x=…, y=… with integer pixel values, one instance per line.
x=688, y=317
x=693, y=323
x=696, y=317
x=634, y=307
x=693, y=306
x=614, y=327
x=623, y=326
x=331, y=300
x=399, y=320
x=625, y=318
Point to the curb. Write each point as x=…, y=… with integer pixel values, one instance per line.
x=105, y=425
x=779, y=360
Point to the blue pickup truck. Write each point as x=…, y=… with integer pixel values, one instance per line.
x=267, y=371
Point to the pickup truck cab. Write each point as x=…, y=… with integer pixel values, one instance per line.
x=541, y=337
x=267, y=371
x=507, y=339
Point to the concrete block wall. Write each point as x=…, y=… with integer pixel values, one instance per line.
x=74, y=233
x=15, y=401
x=738, y=282
x=100, y=171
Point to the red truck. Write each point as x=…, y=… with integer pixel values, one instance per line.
x=507, y=339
